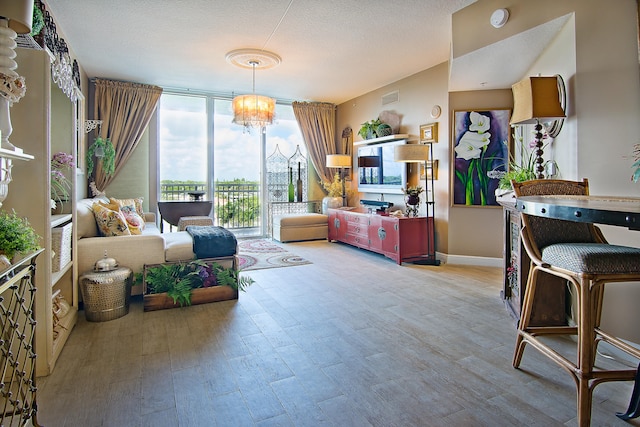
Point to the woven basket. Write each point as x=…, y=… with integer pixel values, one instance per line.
x=61, y=246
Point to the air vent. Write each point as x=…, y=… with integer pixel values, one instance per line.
x=390, y=97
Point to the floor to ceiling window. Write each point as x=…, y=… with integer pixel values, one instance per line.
x=201, y=150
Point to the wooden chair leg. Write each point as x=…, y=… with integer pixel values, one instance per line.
x=525, y=315
x=584, y=400
x=588, y=306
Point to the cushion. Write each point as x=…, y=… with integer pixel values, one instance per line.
x=300, y=219
x=593, y=258
x=178, y=246
x=137, y=202
x=134, y=221
x=110, y=222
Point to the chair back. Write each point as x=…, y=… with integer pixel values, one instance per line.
x=547, y=231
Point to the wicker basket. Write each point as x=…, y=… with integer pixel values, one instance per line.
x=61, y=246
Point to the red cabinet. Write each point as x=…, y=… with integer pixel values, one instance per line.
x=401, y=239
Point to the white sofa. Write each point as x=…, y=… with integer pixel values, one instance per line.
x=150, y=247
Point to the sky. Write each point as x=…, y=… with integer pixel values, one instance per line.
x=183, y=140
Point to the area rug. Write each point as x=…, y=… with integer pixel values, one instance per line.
x=257, y=254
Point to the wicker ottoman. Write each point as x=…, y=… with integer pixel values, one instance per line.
x=297, y=227
x=106, y=294
x=193, y=220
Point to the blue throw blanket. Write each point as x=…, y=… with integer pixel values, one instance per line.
x=211, y=241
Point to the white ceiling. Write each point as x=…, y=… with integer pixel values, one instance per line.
x=332, y=50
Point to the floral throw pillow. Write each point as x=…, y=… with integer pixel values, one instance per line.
x=134, y=221
x=137, y=202
x=110, y=222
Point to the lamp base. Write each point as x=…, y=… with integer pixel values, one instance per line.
x=425, y=260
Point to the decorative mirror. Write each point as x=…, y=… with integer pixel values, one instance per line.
x=553, y=127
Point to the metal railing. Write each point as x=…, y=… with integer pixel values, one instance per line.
x=235, y=205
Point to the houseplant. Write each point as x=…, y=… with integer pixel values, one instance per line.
x=333, y=199
x=60, y=184
x=369, y=129
x=178, y=282
x=16, y=235
x=105, y=152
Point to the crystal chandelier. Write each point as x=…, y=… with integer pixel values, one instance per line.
x=253, y=110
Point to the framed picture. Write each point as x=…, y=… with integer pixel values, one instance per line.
x=429, y=133
x=432, y=169
x=480, y=140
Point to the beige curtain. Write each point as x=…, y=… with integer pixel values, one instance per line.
x=125, y=110
x=317, y=121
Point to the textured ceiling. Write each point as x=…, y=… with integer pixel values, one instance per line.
x=332, y=50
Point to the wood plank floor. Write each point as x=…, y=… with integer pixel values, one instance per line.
x=350, y=340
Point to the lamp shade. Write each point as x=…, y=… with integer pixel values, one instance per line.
x=19, y=13
x=338, y=161
x=536, y=98
x=253, y=110
x=411, y=153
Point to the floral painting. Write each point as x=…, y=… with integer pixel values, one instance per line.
x=480, y=155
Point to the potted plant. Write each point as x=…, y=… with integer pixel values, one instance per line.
x=369, y=129
x=103, y=150
x=60, y=184
x=17, y=237
x=181, y=284
x=333, y=199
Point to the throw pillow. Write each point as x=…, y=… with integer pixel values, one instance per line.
x=137, y=202
x=110, y=222
x=134, y=221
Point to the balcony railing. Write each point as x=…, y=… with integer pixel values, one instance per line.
x=235, y=205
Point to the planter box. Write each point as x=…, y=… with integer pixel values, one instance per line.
x=198, y=296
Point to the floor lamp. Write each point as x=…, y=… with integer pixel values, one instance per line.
x=341, y=161
x=536, y=100
x=418, y=153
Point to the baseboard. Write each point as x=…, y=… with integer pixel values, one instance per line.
x=469, y=260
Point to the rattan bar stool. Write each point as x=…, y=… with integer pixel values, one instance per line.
x=579, y=253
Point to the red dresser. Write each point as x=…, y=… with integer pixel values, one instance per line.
x=400, y=239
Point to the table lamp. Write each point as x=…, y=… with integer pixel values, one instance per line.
x=536, y=99
x=417, y=153
x=341, y=161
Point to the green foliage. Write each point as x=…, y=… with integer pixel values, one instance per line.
x=243, y=210
x=636, y=164
x=369, y=129
x=108, y=159
x=179, y=279
x=16, y=235
x=38, y=21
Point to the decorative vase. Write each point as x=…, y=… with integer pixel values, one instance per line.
x=331, y=202
x=412, y=202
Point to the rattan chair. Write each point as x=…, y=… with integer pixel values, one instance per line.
x=579, y=253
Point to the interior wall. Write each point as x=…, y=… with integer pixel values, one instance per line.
x=476, y=231
x=417, y=96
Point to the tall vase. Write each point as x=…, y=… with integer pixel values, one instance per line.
x=291, y=190
x=412, y=202
x=299, y=186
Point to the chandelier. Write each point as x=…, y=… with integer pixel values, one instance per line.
x=253, y=110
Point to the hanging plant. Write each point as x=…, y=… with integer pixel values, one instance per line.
x=104, y=151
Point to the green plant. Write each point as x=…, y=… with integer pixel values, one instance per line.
x=16, y=235
x=522, y=164
x=179, y=279
x=369, y=129
x=38, y=21
x=413, y=191
x=102, y=149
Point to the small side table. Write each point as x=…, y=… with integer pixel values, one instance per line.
x=193, y=220
x=106, y=294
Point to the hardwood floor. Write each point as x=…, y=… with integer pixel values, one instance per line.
x=350, y=340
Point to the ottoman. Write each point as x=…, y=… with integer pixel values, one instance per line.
x=297, y=227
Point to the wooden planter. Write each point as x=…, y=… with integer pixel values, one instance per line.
x=198, y=296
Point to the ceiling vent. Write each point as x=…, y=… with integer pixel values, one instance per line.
x=391, y=97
